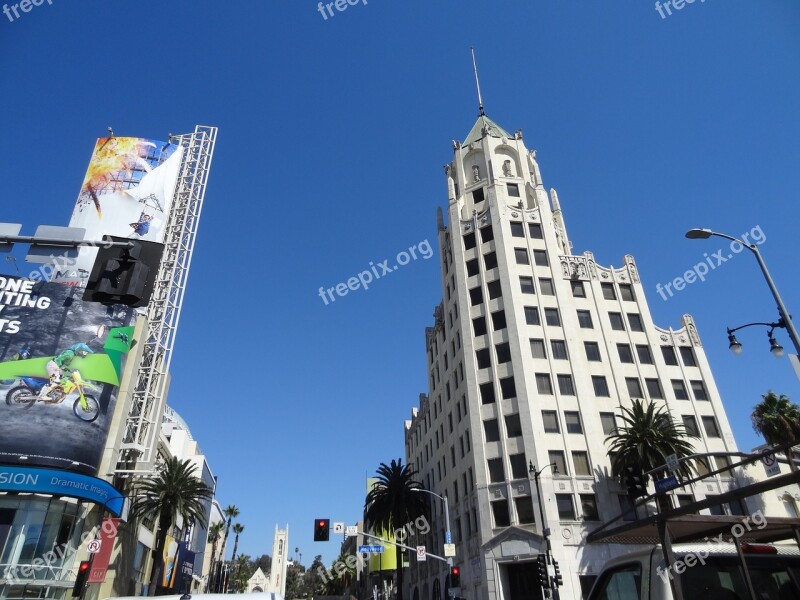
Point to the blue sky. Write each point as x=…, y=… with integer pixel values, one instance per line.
x=332, y=137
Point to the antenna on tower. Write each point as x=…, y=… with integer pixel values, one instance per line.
x=477, y=82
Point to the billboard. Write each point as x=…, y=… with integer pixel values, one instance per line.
x=127, y=192
x=61, y=360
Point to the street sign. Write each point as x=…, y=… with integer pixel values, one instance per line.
x=770, y=463
x=351, y=530
x=672, y=462
x=93, y=546
x=338, y=527
x=449, y=550
x=447, y=538
x=421, y=554
x=371, y=549
x=666, y=484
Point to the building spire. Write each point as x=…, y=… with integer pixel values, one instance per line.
x=477, y=82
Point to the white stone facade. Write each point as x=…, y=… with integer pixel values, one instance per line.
x=532, y=352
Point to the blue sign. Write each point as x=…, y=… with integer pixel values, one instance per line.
x=371, y=549
x=447, y=538
x=61, y=483
x=666, y=484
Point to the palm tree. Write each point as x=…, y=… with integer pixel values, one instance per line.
x=175, y=492
x=777, y=419
x=214, y=535
x=237, y=529
x=392, y=503
x=648, y=435
x=231, y=513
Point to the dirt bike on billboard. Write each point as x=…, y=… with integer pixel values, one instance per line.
x=86, y=407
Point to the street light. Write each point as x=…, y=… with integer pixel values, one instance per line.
x=775, y=348
x=447, y=538
x=786, y=319
x=545, y=530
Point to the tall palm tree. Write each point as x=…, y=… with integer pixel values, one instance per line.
x=648, y=435
x=237, y=529
x=231, y=513
x=392, y=503
x=778, y=419
x=214, y=535
x=175, y=492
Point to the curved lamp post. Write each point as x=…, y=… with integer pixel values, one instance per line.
x=785, y=318
x=448, y=538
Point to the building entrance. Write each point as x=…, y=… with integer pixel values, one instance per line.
x=521, y=582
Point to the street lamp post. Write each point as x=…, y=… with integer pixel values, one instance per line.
x=694, y=234
x=545, y=530
x=447, y=536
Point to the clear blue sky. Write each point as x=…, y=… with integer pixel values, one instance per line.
x=332, y=138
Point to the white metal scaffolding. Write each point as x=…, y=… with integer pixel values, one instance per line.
x=139, y=442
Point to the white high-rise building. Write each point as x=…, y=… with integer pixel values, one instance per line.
x=533, y=352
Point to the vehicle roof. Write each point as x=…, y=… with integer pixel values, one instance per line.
x=243, y=596
x=684, y=549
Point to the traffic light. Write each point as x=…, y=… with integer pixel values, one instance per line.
x=80, y=579
x=557, y=579
x=541, y=571
x=322, y=530
x=124, y=275
x=455, y=577
x=635, y=482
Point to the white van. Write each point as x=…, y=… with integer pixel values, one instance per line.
x=706, y=572
x=244, y=596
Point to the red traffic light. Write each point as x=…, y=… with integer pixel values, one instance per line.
x=322, y=528
x=455, y=571
x=84, y=566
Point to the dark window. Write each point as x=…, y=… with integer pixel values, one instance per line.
x=625, y=354
x=546, y=285
x=654, y=389
x=589, y=507
x=519, y=468
x=687, y=355
x=517, y=230
x=679, y=389
x=479, y=326
x=690, y=423
x=473, y=267
x=616, y=321
x=521, y=256
x=566, y=507
x=625, y=582
x=500, y=513
x=477, y=195
x=592, y=351
x=491, y=430
x=580, y=461
x=513, y=425
x=559, y=463
x=494, y=289
x=550, y=421
x=543, y=384
x=540, y=258
x=490, y=260
x=551, y=317
x=600, y=386
x=585, y=319
x=475, y=296
x=487, y=234
x=668, y=352
x=513, y=189
x=699, y=390
x=507, y=387
x=608, y=291
x=565, y=385
x=498, y=320
x=538, y=349
x=609, y=422
x=636, y=322
x=626, y=292
x=634, y=387
x=532, y=315
x=535, y=229
x=578, y=291
x=710, y=425
x=526, y=285
x=573, y=421
x=487, y=393
x=644, y=354
x=723, y=462
x=559, y=349
x=469, y=241
x=503, y=353
x=484, y=358
x=496, y=471
x=525, y=512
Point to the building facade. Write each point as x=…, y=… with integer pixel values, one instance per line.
x=533, y=352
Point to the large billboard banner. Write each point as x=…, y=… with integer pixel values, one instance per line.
x=61, y=360
x=127, y=192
